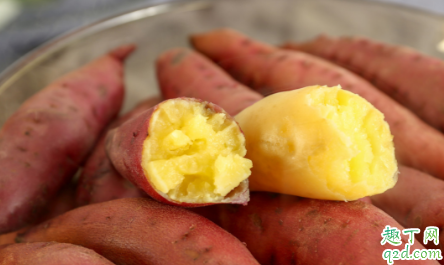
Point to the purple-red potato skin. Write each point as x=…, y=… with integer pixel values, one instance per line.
x=185, y=73
x=44, y=142
x=268, y=69
x=406, y=75
x=100, y=181
x=416, y=201
x=124, y=146
x=49, y=253
x=142, y=231
x=283, y=229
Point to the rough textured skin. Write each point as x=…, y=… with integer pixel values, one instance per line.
x=281, y=229
x=45, y=141
x=269, y=70
x=142, y=231
x=49, y=253
x=99, y=181
x=124, y=146
x=403, y=73
x=415, y=201
x=185, y=73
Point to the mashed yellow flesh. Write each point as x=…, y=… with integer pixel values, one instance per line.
x=193, y=154
x=319, y=142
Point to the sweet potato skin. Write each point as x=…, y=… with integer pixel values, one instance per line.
x=49, y=253
x=282, y=229
x=404, y=74
x=415, y=201
x=269, y=70
x=45, y=141
x=143, y=231
x=186, y=73
x=100, y=181
x=124, y=146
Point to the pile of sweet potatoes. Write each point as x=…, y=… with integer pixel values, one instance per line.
x=110, y=219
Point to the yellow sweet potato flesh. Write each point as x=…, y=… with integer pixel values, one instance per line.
x=194, y=154
x=319, y=142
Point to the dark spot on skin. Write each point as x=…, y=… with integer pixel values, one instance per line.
x=257, y=221
x=418, y=221
x=22, y=149
x=312, y=213
x=278, y=210
x=293, y=259
x=281, y=222
x=27, y=133
x=27, y=164
x=177, y=58
x=232, y=208
x=301, y=229
x=108, y=218
x=47, y=225
x=52, y=105
x=36, y=120
x=272, y=260
x=135, y=134
x=65, y=85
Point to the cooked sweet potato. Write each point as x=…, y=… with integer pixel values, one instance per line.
x=49, y=253
x=183, y=152
x=319, y=173
x=99, y=181
x=415, y=201
x=269, y=70
x=45, y=141
x=282, y=229
x=142, y=231
x=406, y=75
x=185, y=73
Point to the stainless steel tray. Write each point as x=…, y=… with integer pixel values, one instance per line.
x=157, y=28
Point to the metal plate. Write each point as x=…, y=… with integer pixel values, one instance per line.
x=157, y=28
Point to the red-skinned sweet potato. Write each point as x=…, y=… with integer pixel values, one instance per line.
x=49, y=253
x=283, y=229
x=176, y=152
x=61, y=203
x=99, y=181
x=143, y=231
x=416, y=201
x=45, y=141
x=268, y=69
x=185, y=73
x=406, y=75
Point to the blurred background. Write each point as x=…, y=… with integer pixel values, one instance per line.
x=26, y=24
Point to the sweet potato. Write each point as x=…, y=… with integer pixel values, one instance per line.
x=99, y=181
x=415, y=201
x=45, y=141
x=185, y=73
x=411, y=78
x=61, y=203
x=183, y=152
x=269, y=69
x=49, y=253
x=282, y=229
x=142, y=231
x=192, y=74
